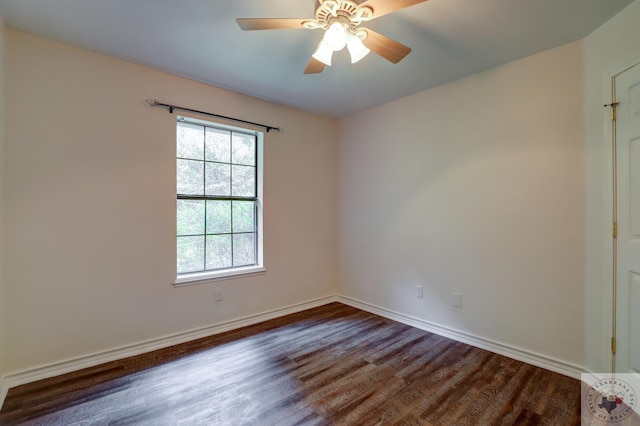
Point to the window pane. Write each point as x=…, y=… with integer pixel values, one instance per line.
x=218, y=217
x=214, y=166
x=190, y=254
x=244, y=149
x=190, y=217
x=218, y=179
x=244, y=249
x=190, y=141
x=190, y=177
x=244, y=216
x=218, y=146
x=244, y=181
x=218, y=251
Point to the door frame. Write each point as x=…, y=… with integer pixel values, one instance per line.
x=611, y=139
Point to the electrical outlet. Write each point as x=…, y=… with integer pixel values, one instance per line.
x=419, y=291
x=457, y=300
x=218, y=295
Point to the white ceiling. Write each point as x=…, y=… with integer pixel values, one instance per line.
x=200, y=39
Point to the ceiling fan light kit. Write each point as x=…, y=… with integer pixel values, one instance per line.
x=336, y=36
x=356, y=47
x=323, y=53
x=340, y=19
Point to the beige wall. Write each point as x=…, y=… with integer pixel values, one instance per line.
x=90, y=206
x=475, y=187
x=608, y=50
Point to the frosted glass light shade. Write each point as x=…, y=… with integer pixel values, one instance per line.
x=323, y=53
x=336, y=36
x=357, y=49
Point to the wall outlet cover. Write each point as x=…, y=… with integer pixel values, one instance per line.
x=457, y=300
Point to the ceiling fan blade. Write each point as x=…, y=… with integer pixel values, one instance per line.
x=249, y=24
x=314, y=66
x=389, y=49
x=384, y=7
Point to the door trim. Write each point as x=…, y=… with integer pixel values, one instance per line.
x=612, y=186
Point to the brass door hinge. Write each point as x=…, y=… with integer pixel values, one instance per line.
x=614, y=229
x=614, y=110
x=614, y=345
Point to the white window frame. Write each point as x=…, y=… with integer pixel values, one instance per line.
x=241, y=271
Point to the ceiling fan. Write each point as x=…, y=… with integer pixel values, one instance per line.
x=341, y=19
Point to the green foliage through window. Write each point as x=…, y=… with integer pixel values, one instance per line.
x=216, y=198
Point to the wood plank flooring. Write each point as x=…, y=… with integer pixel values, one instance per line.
x=332, y=365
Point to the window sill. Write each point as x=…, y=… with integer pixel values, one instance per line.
x=206, y=277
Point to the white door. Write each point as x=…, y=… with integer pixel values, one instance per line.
x=627, y=86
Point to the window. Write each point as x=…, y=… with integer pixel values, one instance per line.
x=219, y=214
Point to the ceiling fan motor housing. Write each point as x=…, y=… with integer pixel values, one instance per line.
x=348, y=12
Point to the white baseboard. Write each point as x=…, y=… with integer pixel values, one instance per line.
x=513, y=352
x=4, y=388
x=74, y=364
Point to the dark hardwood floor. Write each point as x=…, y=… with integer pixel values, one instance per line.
x=332, y=365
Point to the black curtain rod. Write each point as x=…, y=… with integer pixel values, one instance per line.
x=171, y=108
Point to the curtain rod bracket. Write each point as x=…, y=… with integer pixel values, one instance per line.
x=171, y=108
